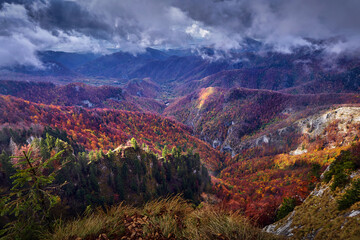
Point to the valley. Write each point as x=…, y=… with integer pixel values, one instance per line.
x=263, y=129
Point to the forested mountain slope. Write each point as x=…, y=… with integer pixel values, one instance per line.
x=107, y=128
x=79, y=94
x=237, y=119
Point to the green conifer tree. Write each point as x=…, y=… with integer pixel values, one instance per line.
x=30, y=199
x=134, y=143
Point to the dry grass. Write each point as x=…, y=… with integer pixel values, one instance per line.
x=209, y=224
x=93, y=224
x=170, y=218
x=167, y=215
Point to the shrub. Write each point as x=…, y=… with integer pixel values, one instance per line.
x=340, y=180
x=345, y=163
x=314, y=175
x=286, y=207
x=351, y=196
x=315, y=170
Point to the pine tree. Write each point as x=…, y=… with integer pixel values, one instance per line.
x=176, y=152
x=351, y=196
x=119, y=185
x=31, y=198
x=165, y=152
x=134, y=143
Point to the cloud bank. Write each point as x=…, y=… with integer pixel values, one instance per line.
x=28, y=26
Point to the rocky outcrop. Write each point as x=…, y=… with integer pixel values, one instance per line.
x=315, y=125
x=343, y=120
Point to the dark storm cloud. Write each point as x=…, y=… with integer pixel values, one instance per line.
x=280, y=23
x=23, y=32
x=132, y=25
x=69, y=16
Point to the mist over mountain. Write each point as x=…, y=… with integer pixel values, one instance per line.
x=102, y=26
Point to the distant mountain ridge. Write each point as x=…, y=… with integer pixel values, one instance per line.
x=69, y=60
x=183, y=71
x=79, y=94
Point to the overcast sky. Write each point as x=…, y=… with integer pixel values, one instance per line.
x=28, y=26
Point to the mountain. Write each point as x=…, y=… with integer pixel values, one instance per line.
x=143, y=88
x=159, y=69
x=177, y=69
x=338, y=82
x=302, y=72
x=67, y=59
x=120, y=64
x=296, y=73
x=48, y=69
x=79, y=94
x=236, y=119
x=55, y=64
x=180, y=72
x=254, y=78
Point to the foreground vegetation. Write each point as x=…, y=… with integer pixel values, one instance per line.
x=33, y=209
x=167, y=218
x=49, y=180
